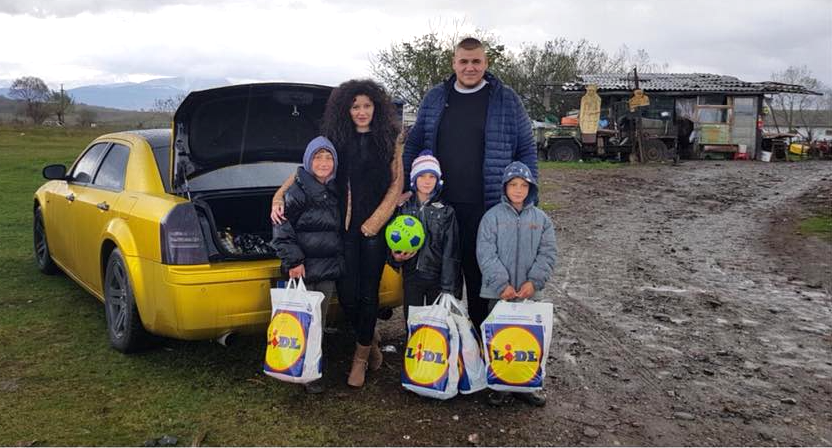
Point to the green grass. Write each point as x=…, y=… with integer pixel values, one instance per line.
x=549, y=207
x=588, y=165
x=62, y=384
x=818, y=225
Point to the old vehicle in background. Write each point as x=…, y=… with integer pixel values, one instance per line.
x=694, y=116
x=617, y=135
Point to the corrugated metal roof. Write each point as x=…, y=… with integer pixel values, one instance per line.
x=680, y=82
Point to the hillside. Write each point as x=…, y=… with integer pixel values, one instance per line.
x=102, y=116
x=136, y=95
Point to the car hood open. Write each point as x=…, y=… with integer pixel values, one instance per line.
x=243, y=124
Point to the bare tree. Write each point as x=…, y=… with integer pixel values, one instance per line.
x=86, y=117
x=538, y=68
x=62, y=104
x=624, y=61
x=795, y=107
x=409, y=69
x=168, y=106
x=35, y=95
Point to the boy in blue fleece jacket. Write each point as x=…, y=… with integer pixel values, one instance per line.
x=516, y=251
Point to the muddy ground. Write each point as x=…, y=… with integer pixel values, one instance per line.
x=688, y=311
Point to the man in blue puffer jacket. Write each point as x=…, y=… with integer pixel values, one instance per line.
x=475, y=126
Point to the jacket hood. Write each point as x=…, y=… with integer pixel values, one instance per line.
x=519, y=169
x=317, y=144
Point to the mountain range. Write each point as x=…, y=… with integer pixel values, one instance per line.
x=134, y=95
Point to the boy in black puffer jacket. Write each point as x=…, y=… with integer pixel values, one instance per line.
x=434, y=268
x=308, y=242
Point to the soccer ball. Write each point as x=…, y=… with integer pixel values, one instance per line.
x=405, y=234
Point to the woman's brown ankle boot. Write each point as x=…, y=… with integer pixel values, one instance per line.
x=376, y=356
x=359, y=365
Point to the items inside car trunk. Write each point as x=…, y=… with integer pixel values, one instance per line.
x=236, y=225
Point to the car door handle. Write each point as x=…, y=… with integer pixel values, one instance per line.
x=70, y=197
x=103, y=206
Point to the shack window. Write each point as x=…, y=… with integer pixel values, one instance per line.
x=659, y=104
x=686, y=108
x=744, y=106
x=712, y=100
x=713, y=115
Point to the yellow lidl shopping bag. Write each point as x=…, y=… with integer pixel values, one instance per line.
x=516, y=337
x=293, y=339
x=431, y=353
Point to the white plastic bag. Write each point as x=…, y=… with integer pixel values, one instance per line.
x=472, y=376
x=293, y=350
x=432, y=349
x=516, y=337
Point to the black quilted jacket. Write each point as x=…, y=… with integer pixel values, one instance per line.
x=311, y=235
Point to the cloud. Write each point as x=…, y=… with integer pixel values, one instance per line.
x=328, y=41
x=69, y=8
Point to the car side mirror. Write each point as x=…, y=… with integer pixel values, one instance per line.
x=54, y=172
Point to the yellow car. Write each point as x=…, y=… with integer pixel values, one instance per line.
x=169, y=229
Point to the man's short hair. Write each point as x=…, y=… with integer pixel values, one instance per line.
x=469, y=43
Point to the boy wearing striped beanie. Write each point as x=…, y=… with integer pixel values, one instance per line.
x=434, y=268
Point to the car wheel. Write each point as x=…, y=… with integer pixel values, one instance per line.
x=563, y=151
x=124, y=325
x=655, y=150
x=42, y=255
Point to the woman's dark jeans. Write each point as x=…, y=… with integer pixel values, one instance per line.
x=358, y=286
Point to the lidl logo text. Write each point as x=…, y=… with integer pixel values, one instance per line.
x=285, y=342
x=508, y=355
x=425, y=355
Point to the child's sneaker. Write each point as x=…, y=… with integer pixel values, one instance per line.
x=498, y=398
x=315, y=387
x=532, y=398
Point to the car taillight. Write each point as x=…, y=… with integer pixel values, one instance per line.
x=181, y=237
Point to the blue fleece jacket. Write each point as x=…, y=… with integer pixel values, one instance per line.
x=515, y=246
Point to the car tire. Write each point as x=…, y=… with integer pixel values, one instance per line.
x=655, y=150
x=42, y=255
x=124, y=325
x=563, y=151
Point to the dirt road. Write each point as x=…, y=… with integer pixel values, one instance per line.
x=684, y=316
x=687, y=312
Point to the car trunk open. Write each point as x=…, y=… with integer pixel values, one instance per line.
x=232, y=148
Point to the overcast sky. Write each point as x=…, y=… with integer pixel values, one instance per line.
x=79, y=42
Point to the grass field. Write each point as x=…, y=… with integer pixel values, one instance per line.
x=588, y=165
x=820, y=225
x=61, y=383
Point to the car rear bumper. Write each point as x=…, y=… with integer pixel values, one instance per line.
x=207, y=301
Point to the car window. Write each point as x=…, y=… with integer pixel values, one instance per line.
x=111, y=173
x=83, y=171
x=162, y=156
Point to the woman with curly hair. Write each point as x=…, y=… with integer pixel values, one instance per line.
x=360, y=120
